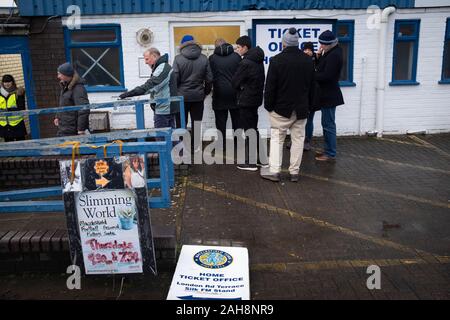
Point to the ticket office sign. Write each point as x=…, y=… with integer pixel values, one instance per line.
x=211, y=273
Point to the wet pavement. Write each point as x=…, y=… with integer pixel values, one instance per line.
x=385, y=202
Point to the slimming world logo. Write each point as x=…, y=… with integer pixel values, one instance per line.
x=213, y=259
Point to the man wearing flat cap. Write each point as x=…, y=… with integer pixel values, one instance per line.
x=73, y=93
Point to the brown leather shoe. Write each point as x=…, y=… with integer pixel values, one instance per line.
x=325, y=158
x=319, y=152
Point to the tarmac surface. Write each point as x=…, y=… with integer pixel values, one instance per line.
x=385, y=202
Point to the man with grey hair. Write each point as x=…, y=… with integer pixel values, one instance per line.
x=159, y=88
x=287, y=98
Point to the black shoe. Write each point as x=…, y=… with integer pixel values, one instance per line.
x=262, y=165
x=275, y=177
x=295, y=177
x=247, y=167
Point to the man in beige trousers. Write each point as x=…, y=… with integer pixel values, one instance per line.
x=288, y=96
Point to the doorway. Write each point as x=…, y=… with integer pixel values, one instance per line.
x=15, y=60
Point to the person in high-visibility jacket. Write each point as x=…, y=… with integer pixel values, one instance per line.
x=12, y=98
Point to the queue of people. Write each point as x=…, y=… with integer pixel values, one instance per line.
x=299, y=83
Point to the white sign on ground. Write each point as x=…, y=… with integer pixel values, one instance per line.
x=211, y=273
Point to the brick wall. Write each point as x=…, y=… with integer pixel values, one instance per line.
x=47, y=53
x=12, y=64
x=23, y=173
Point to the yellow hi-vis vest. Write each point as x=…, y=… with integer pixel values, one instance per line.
x=6, y=105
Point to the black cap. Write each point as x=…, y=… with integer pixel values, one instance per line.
x=8, y=78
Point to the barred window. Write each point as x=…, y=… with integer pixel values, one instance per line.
x=96, y=53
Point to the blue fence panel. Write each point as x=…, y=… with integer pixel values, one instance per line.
x=12, y=201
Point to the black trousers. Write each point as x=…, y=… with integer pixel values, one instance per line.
x=222, y=118
x=195, y=110
x=12, y=139
x=249, y=120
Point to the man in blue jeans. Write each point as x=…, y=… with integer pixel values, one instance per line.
x=328, y=92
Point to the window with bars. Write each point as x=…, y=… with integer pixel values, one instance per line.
x=96, y=53
x=406, y=47
x=345, y=31
x=446, y=60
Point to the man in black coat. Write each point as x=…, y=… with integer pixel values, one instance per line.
x=224, y=63
x=73, y=93
x=249, y=83
x=287, y=98
x=329, y=95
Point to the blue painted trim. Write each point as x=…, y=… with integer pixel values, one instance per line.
x=20, y=45
x=398, y=39
x=347, y=84
x=446, y=39
x=69, y=44
x=350, y=39
x=31, y=206
x=29, y=194
x=106, y=89
x=111, y=7
x=404, y=83
x=93, y=106
x=58, y=206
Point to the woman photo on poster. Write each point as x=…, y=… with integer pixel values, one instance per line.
x=134, y=174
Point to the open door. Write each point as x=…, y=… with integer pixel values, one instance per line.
x=15, y=60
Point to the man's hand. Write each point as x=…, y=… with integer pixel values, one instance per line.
x=56, y=122
x=320, y=52
x=81, y=133
x=124, y=95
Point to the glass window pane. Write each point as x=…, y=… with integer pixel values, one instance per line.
x=346, y=53
x=98, y=66
x=404, y=61
x=406, y=30
x=93, y=36
x=446, y=74
x=343, y=30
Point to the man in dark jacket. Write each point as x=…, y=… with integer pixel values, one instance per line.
x=193, y=77
x=224, y=63
x=287, y=98
x=249, y=83
x=73, y=93
x=329, y=94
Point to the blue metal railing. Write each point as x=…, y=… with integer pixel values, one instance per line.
x=13, y=200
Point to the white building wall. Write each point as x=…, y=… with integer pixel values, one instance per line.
x=408, y=108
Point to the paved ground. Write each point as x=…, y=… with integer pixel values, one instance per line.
x=385, y=202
